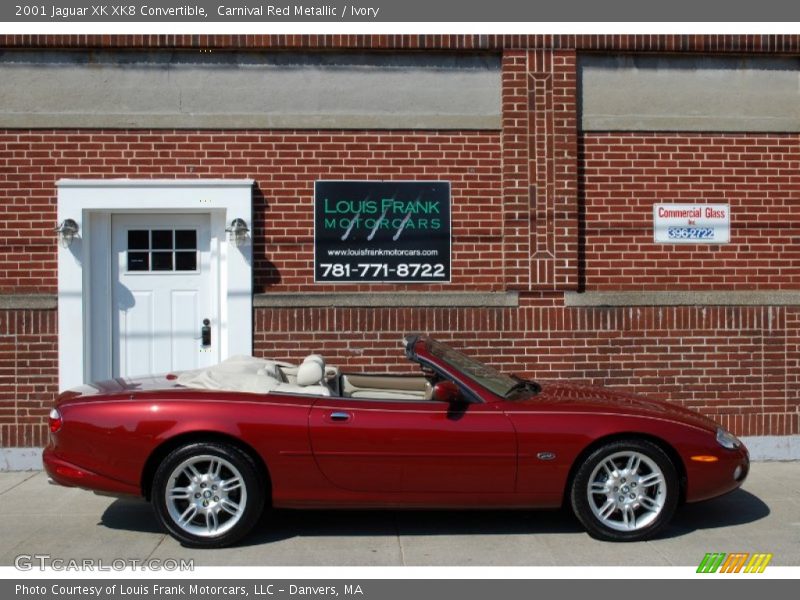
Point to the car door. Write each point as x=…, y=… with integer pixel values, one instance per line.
x=378, y=445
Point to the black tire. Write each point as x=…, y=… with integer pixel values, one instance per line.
x=626, y=504
x=220, y=499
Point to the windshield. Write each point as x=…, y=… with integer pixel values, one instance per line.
x=485, y=375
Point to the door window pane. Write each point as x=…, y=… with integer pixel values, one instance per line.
x=162, y=261
x=162, y=240
x=185, y=239
x=186, y=261
x=138, y=239
x=138, y=261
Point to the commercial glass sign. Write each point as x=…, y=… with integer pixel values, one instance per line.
x=691, y=223
x=382, y=231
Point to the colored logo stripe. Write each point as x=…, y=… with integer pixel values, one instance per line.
x=711, y=562
x=758, y=563
x=734, y=562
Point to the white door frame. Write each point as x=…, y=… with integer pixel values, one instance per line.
x=90, y=202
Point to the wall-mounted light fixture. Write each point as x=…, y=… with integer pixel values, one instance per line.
x=67, y=231
x=237, y=232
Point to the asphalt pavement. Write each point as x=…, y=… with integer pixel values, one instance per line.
x=67, y=523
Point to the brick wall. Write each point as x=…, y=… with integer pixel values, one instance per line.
x=28, y=375
x=623, y=175
x=791, y=371
x=732, y=363
x=736, y=364
x=540, y=208
x=284, y=165
x=517, y=198
x=711, y=43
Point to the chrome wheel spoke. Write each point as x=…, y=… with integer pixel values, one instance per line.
x=633, y=463
x=211, y=521
x=179, y=493
x=628, y=517
x=231, y=484
x=607, y=509
x=229, y=506
x=651, y=479
x=610, y=468
x=214, y=468
x=649, y=504
x=599, y=487
x=192, y=473
x=187, y=515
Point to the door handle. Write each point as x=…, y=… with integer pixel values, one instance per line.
x=340, y=417
x=205, y=333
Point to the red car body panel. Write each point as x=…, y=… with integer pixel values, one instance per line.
x=399, y=447
x=379, y=453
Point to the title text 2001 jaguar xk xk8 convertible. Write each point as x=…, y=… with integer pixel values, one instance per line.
x=212, y=448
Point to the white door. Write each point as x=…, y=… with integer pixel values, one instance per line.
x=162, y=292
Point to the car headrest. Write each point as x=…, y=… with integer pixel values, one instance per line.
x=311, y=371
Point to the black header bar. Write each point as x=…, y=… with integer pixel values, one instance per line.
x=391, y=11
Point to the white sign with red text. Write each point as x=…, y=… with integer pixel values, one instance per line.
x=691, y=223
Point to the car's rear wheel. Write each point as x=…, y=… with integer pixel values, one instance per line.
x=208, y=494
x=625, y=491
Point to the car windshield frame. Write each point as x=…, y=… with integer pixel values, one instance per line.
x=495, y=381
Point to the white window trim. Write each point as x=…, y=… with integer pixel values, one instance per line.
x=85, y=199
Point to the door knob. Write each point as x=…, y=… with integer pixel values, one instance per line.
x=205, y=333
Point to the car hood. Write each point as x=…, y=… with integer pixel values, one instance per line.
x=584, y=398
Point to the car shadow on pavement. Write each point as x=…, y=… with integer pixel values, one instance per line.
x=284, y=524
x=736, y=508
x=130, y=514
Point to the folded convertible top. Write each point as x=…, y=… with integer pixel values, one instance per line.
x=236, y=374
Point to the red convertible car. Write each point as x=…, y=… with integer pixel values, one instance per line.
x=212, y=448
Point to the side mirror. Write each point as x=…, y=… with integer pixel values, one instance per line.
x=446, y=391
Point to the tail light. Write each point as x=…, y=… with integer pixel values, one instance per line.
x=54, y=420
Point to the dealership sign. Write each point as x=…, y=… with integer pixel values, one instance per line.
x=691, y=223
x=382, y=231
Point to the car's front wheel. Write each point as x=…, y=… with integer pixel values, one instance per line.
x=625, y=491
x=208, y=494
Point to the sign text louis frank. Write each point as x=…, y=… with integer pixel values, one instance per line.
x=691, y=223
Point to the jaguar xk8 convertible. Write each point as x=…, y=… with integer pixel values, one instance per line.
x=211, y=449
